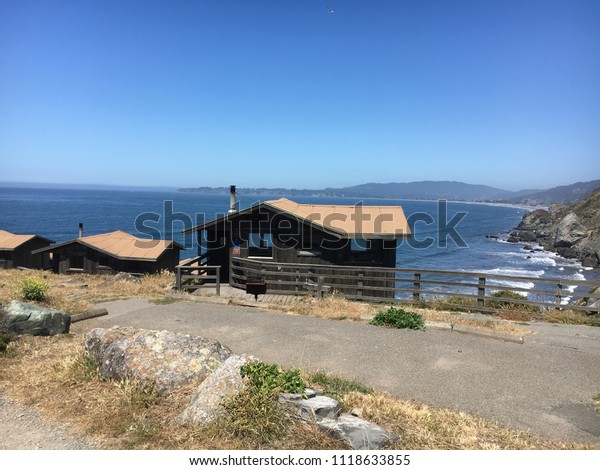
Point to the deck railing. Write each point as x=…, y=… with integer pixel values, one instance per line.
x=192, y=275
x=413, y=285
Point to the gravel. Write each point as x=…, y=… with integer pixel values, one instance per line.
x=23, y=429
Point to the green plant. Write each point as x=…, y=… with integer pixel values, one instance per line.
x=269, y=377
x=336, y=386
x=507, y=296
x=33, y=288
x=398, y=318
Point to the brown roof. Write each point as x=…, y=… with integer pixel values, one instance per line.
x=350, y=221
x=10, y=241
x=123, y=245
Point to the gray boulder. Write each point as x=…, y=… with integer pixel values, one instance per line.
x=358, y=433
x=29, y=319
x=569, y=231
x=311, y=409
x=224, y=382
x=162, y=358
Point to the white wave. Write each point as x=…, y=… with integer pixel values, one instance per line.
x=513, y=272
x=565, y=300
x=561, y=268
x=577, y=277
x=510, y=284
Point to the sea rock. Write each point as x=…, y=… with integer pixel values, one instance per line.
x=162, y=358
x=358, y=433
x=29, y=319
x=569, y=231
x=527, y=236
x=224, y=382
x=512, y=239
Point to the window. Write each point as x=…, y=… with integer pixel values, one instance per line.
x=359, y=244
x=260, y=244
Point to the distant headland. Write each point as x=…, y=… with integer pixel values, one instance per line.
x=431, y=190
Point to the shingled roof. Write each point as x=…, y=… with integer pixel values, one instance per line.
x=10, y=241
x=357, y=221
x=122, y=245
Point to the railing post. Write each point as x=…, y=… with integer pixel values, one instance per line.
x=218, y=280
x=297, y=287
x=360, y=284
x=319, y=287
x=481, y=292
x=417, y=287
x=558, y=298
x=178, y=278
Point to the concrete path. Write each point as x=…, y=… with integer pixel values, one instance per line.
x=545, y=385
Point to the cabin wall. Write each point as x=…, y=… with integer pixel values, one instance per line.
x=75, y=258
x=295, y=242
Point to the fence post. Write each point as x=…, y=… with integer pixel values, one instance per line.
x=319, y=287
x=178, y=278
x=481, y=292
x=360, y=284
x=558, y=294
x=417, y=287
x=297, y=287
x=219, y=281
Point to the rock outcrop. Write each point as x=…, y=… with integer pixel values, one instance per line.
x=572, y=232
x=164, y=359
x=29, y=319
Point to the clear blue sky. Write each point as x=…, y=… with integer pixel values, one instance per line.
x=284, y=93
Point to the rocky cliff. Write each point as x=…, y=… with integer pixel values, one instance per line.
x=572, y=232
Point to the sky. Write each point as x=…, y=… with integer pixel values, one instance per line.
x=285, y=93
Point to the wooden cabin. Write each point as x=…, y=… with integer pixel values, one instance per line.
x=16, y=251
x=113, y=252
x=286, y=233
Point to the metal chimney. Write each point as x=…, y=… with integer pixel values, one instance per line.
x=80, y=229
x=232, y=202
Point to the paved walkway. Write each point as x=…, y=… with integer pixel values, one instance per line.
x=546, y=384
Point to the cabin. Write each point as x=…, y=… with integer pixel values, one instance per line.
x=113, y=252
x=16, y=251
x=284, y=233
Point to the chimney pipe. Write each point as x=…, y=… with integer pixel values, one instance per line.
x=232, y=202
x=80, y=230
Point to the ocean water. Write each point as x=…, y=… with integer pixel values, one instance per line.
x=56, y=214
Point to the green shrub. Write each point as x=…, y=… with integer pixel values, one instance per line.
x=398, y=318
x=508, y=294
x=336, y=386
x=266, y=378
x=33, y=288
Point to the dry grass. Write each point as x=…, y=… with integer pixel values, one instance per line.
x=77, y=293
x=336, y=307
x=424, y=427
x=55, y=376
x=332, y=307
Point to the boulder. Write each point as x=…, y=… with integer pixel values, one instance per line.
x=312, y=409
x=224, y=382
x=358, y=433
x=512, y=239
x=527, y=236
x=569, y=231
x=162, y=358
x=126, y=277
x=30, y=319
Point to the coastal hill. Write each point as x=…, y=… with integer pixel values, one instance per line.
x=572, y=232
x=449, y=190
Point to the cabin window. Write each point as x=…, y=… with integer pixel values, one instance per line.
x=76, y=262
x=359, y=245
x=260, y=244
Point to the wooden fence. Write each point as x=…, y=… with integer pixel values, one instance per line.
x=385, y=284
x=192, y=274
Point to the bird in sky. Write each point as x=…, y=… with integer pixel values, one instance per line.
x=330, y=10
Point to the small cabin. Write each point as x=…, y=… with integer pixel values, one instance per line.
x=113, y=252
x=285, y=232
x=16, y=251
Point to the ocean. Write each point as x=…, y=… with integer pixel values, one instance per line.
x=458, y=237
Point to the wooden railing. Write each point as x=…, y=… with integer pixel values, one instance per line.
x=192, y=275
x=389, y=284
